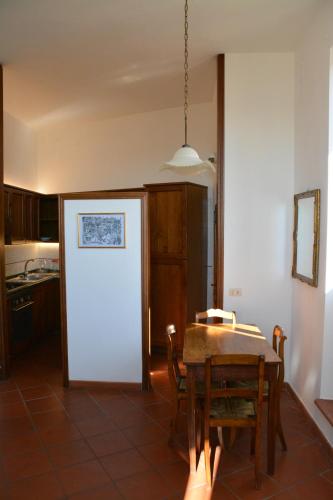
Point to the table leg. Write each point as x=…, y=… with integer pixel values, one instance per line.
x=271, y=424
x=190, y=382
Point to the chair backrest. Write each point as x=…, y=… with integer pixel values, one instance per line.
x=216, y=313
x=278, y=341
x=173, y=367
x=255, y=393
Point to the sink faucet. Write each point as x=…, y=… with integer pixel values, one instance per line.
x=26, y=266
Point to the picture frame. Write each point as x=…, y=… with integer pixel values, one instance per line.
x=101, y=230
x=306, y=237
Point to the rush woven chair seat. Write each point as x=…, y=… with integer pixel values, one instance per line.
x=234, y=407
x=278, y=341
x=216, y=313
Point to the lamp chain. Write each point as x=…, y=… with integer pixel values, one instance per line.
x=186, y=69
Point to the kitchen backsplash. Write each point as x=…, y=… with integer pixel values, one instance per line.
x=17, y=255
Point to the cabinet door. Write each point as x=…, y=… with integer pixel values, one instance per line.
x=31, y=217
x=167, y=222
x=8, y=222
x=17, y=215
x=168, y=300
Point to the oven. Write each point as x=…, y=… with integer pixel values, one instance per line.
x=21, y=319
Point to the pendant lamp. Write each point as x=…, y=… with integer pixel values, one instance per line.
x=186, y=160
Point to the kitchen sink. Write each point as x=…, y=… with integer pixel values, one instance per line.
x=21, y=279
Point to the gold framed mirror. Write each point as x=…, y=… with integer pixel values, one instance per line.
x=306, y=236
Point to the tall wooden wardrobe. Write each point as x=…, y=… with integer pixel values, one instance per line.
x=178, y=238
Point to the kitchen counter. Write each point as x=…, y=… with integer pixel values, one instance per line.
x=18, y=283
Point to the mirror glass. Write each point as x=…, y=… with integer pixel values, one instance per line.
x=306, y=237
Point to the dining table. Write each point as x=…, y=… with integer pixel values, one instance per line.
x=205, y=340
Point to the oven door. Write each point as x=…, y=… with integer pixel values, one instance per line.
x=21, y=324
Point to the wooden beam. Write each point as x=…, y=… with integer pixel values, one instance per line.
x=219, y=248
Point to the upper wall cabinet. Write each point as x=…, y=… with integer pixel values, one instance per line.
x=21, y=215
x=30, y=216
x=48, y=218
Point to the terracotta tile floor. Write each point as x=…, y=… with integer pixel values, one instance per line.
x=58, y=443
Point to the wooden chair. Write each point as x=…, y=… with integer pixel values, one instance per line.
x=177, y=380
x=216, y=313
x=234, y=407
x=278, y=341
x=278, y=345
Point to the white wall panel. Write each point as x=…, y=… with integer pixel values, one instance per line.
x=103, y=294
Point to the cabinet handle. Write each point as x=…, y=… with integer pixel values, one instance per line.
x=23, y=306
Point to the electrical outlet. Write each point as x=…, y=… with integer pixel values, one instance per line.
x=235, y=292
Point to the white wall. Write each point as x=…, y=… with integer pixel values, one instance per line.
x=126, y=152
x=103, y=298
x=20, y=154
x=312, y=325
x=259, y=170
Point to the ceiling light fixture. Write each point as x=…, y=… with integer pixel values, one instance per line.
x=186, y=160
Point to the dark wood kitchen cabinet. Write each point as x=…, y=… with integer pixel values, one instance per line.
x=48, y=218
x=32, y=313
x=46, y=308
x=21, y=215
x=178, y=243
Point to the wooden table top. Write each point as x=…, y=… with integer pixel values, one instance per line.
x=201, y=341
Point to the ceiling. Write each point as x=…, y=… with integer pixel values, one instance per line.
x=91, y=59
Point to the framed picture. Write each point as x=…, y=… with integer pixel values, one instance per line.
x=101, y=230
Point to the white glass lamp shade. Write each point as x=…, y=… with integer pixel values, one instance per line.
x=187, y=161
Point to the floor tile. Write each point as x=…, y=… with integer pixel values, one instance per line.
x=242, y=484
x=159, y=453
x=15, y=425
x=111, y=442
x=47, y=403
x=81, y=410
x=12, y=410
x=94, y=426
x=26, y=464
x=159, y=410
x=41, y=487
x=125, y=463
x=106, y=492
x=124, y=413
x=328, y=475
x=82, y=477
x=314, y=488
x=49, y=419
x=39, y=391
x=9, y=397
x=70, y=453
x=7, y=385
x=144, y=486
x=58, y=434
x=144, y=433
x=19, y=442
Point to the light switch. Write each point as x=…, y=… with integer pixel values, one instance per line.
x=235, y=292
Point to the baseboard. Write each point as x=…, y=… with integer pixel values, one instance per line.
x=326, y=407
x=92, y=384
x=323, y=439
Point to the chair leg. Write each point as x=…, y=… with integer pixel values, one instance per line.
x=198, y=426
x=207, y=457
x=220, y=436
x=232, y=437
x=253, y=441
x=257, y=458
x=281, y=435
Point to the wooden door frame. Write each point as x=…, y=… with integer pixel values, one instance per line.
x=219, y=246
x=145, y=283
x=4, y=359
